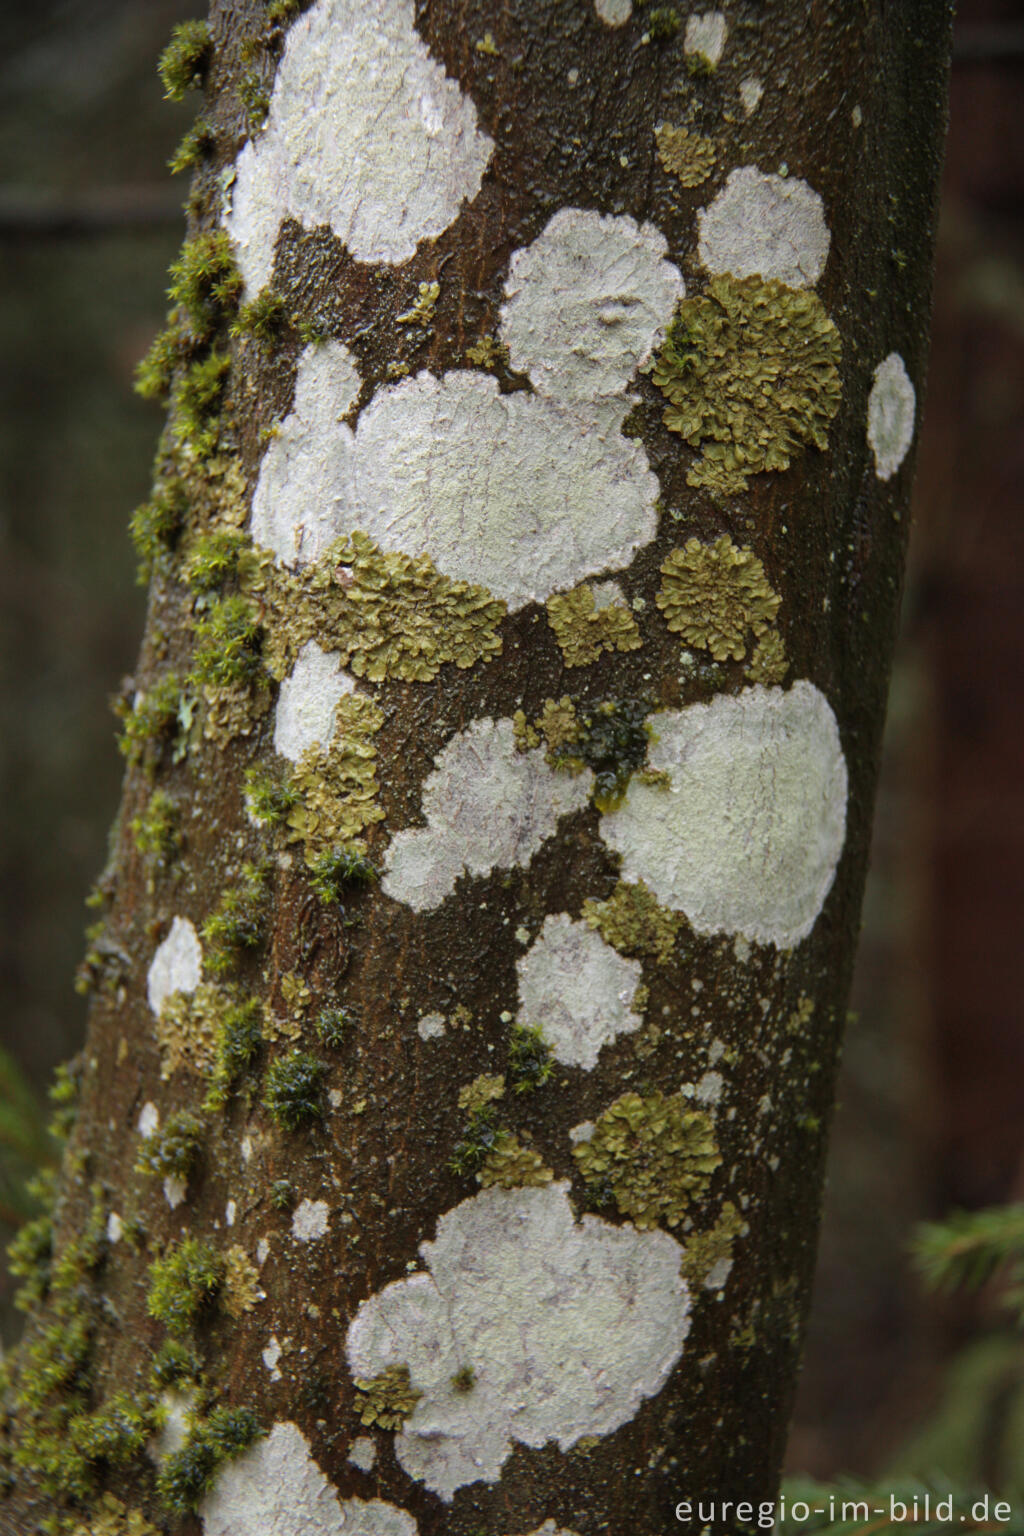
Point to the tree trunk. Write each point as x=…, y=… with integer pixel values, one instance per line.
x=525, y=549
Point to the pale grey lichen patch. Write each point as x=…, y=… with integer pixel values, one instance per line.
x=705, y=35
x=524, y=494
x=177, y=965
x=310, y=1220
x=892, y=405
x=516, y=492
x=308, y=700
x=614, y=13
x=764, y=225
x=115, y=1228
x=431, y=1026
x=578, y=990
x=365, y=133
x=747, y=837
x=566, y=1326
x=149, y=1120
x=587, y=303
x=751, y=92
x=362, y=1453
x=549, y=1528
x=487, y=806
x=276, y=1486
x=305, y=476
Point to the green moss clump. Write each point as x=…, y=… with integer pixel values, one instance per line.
x=213, y=559
x=157, y=829
x=663, y=23
x=156, y=526
x=205, y=283
x=333, y=1026
x=255, y=98
x=634, y=922
x=116, y=1433
x=198, y=396
x=30, y=1253
x=154, y=374
x=173, y=1150
x=229, y=639
x=239, y=1038
x=651, y=1155
x=154, y=719
x=386, y=1401
x=183, y=1284
x=282, y=1195
x=713, y=595
x=63, y=1092
x=529, y=1058
x=292, y=1090
x=197, y=143
x=269, y=798
x=174, y=1364
x=336, y=872
x=481, y=1137
x=613, y=743
x=189, y=1473
x=183, y=63
x=280, y=12
x=239, y=920
x=751, y=373
x=264, y=317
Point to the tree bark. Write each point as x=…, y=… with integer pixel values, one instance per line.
x=526, y=549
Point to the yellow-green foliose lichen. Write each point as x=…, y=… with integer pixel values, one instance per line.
x=705, y=1251
x=687, y=156
x=385, y=614
x=713, y=595
x=386, y=1400
x=337, y=785
x=483, y=1090
x=634, y=922
x=769, y=662
x=651, y=1155
x=510, y=1165
x=584, y=628
x=751, y=373
x=187, y=1030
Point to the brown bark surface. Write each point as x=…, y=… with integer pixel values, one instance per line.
x=831, y=537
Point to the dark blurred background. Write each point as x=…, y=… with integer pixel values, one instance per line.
x=932, y=1099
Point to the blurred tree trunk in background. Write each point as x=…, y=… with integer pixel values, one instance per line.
x=449, y=884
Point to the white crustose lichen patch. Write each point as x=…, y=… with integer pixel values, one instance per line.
x=892, y=406
x=747, y=837
x=523, y=493
x=307, y=702
x=365, y=133
x=431, y=1026
x=614, y=13
x=310, y=1220
x=566, y=1326
x=276, y=1487
x=705, y=35
x=751, y=92
x=578, y=989
x=362, y=1453
x=177, y=965
x=586, y=304
x=487, y=806
x=769, y=226
x=303, y=490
